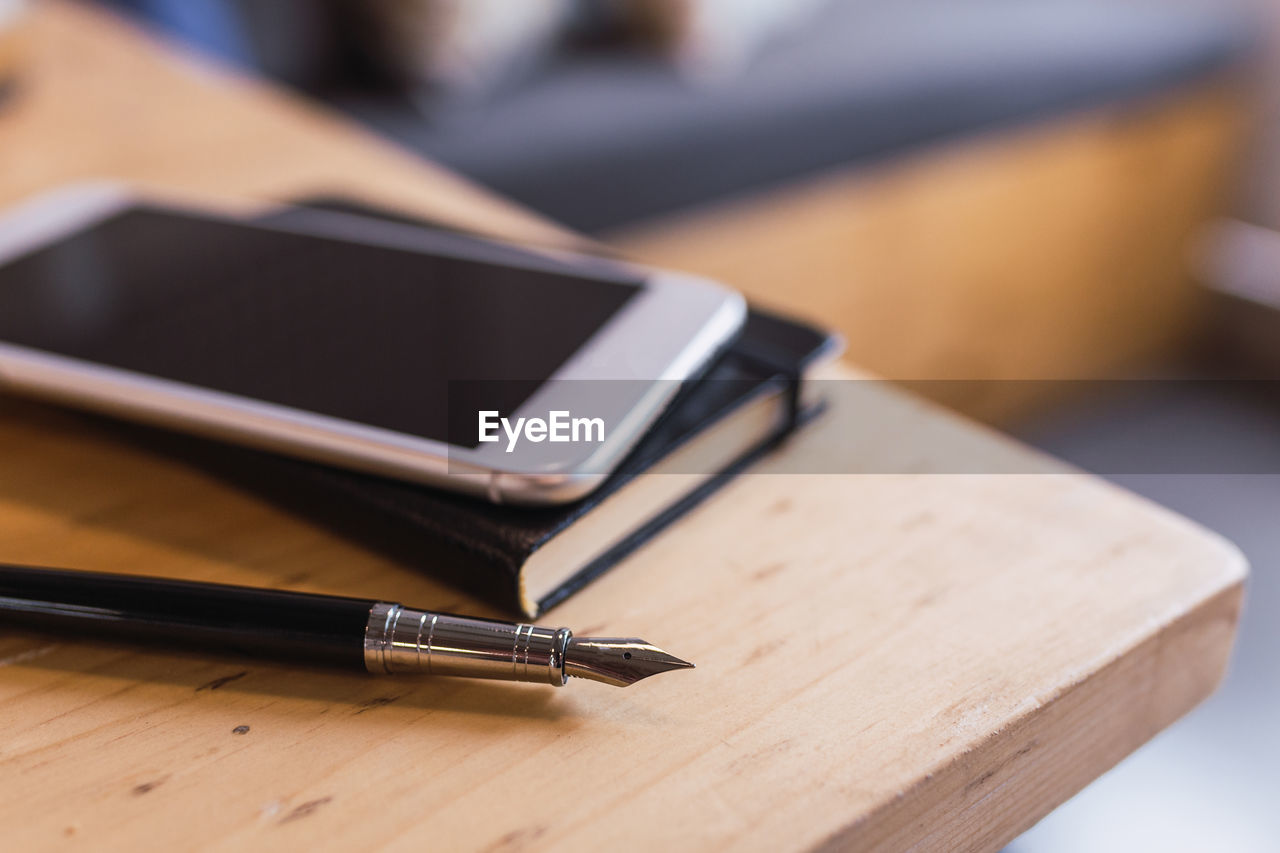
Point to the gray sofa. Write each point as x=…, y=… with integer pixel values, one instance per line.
x=600, y=139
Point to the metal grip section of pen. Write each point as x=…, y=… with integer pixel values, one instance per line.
x=402, y=640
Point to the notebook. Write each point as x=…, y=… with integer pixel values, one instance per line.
x=526, y=560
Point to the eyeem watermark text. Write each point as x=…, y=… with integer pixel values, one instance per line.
x=558, y=427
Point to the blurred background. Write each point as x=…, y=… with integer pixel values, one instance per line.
x=979, y=190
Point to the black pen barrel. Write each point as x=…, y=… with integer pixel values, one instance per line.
x=267, y=624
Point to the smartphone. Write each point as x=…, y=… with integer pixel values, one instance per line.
x=454, y=365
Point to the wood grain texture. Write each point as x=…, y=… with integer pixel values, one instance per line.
x=884, y=661
x=1059, y=250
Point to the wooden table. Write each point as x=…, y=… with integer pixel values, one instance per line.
x=884, y=661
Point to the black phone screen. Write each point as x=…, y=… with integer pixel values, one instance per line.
x=356, y=331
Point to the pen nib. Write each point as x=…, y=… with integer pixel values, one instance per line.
x=617, y=661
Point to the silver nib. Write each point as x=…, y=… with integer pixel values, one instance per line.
x=617, y=661
x=398, y=639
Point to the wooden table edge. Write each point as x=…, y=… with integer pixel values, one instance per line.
x=1026, y=769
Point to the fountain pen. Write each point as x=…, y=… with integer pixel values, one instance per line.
x=381, y=637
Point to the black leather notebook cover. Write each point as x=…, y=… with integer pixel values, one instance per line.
x=482, y=547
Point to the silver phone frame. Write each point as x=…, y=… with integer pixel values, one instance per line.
x=661, y=337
